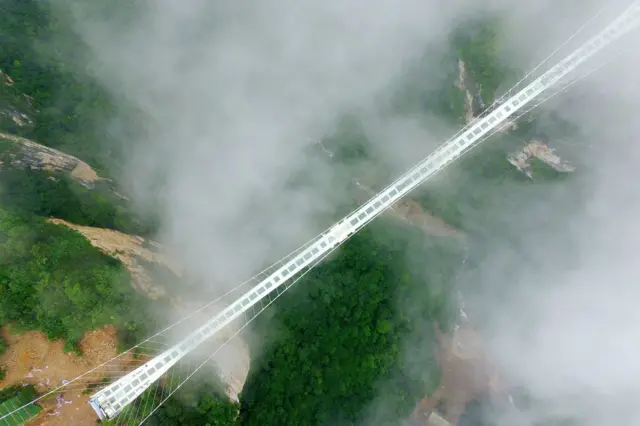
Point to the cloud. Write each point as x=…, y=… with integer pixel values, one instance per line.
x=566, y=324
x=232, y=95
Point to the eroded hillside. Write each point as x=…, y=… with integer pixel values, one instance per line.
x=132, y=251
x=129, y=249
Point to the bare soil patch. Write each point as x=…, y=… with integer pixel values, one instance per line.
x=33, y=359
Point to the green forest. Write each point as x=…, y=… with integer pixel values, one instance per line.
x=53, y=280
x=44, y=58
x=345, y=325
x=331, y=345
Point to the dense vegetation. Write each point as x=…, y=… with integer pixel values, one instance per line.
x=46, y=60
x=52, y=279
x=57, y=195
x=478, y=46
x=67, y=109
x=200, y=401
x=341, y=334
x=202, y=407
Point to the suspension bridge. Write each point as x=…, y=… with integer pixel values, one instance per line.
x=127, y=382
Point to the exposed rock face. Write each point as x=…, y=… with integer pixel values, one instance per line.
x=15, y=106
x=435, y=419
x=474, y=105
x=39, y=157
x=430, y=418
x=5, y=79
x=232, y=363
x=466, y=375
x=32, y=155
x=19, y=118
x=127, y=248
x=461, y=83
x=538, y=149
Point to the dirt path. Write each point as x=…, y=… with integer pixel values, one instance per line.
x=32, y=359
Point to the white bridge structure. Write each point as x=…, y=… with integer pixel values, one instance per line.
x=112, y=399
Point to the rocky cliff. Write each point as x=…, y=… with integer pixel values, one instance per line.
x=32, y=155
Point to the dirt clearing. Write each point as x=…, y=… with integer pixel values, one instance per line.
x=33, y=359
